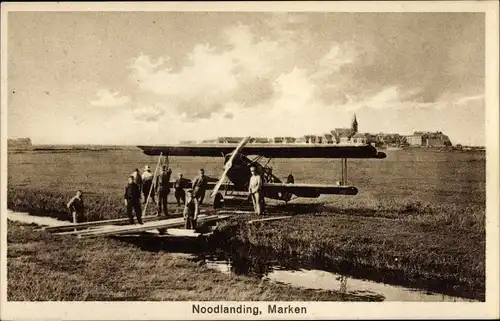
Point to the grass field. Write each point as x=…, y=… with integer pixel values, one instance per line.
x=43, y=267
x=418, y=219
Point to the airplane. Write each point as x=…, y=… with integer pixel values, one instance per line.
x=237, y=165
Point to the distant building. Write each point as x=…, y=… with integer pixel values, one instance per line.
x=188, y=142
x=359, y=138
x=259, y=140
x=328, y=139
x=428, y=139
x=19, y=144
x=209, y=141
x=301, y=140
x=415, y=140
x=229, y=140
x=345, y=135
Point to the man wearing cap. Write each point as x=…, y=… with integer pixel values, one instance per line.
x=200, y=186
x=147, y=184
x=179, y=185
x=190, y=213
x=132, y=199
x=137, y=177
x=163, y=188
x=255, y=190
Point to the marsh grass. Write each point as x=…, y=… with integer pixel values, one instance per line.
x=43, y=267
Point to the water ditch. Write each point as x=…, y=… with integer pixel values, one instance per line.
x=226, y=258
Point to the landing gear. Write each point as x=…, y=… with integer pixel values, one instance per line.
x=232, y=201
x=218, y=201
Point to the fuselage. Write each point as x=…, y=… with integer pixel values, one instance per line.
x=239, y=175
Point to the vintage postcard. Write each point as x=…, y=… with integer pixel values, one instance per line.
x=253, y=160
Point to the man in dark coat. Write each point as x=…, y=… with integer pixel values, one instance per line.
x=200, y=186
x=179, y=185
x=132, y=198
x=163, y=188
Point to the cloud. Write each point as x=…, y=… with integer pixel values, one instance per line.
x=107, y=98
x=243, y=71
x=148, y=113
x=469, y=99
x=255, y=77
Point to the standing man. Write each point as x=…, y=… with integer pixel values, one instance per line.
x=200, y=186
x=163, y=188
x=147, y=184
x=137, y=177
x=190, y=213
x=132, y=198
x=179, y=186
x=255, y=190
x=75, y=205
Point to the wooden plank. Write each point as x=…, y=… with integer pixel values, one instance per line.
x=164, y=224
x=86, y=225
x=92, y=228
x=95, y=223
x=234, y=212
x=269, y=219
x=182, y=232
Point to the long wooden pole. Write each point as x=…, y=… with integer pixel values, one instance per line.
x=152, y=185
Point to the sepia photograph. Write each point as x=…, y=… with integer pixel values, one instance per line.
x=247, y=162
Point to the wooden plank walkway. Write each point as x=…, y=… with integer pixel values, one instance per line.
x=85, y=225
x=117, y=221
x=234, y=212
x=108, y=230
x=269, y=219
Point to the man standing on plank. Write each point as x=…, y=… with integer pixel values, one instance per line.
x=132, y=198
x=75, y=205
x=200, y=186
x=255, y=190
x=191, y=209
x=163, y=187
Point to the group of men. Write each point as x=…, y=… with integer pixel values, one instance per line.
x=195, y=193
x=138, y=183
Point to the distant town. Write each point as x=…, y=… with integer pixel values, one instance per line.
x=419, y=139
x=350, y=136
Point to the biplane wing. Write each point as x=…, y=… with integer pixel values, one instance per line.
x=301, y=190
x=310, y=190
x=269, y=150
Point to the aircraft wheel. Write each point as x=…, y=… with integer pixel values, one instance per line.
x=218, y=201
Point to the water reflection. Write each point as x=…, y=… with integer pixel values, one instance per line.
x=322, y=280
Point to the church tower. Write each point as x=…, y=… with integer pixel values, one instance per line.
x=354, y=125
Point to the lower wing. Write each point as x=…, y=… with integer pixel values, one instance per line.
x=310, y=190
x=300, y=190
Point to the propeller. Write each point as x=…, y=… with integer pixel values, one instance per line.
x=229, y=164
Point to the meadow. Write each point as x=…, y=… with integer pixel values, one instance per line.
x=43, y=267
x=419, y=218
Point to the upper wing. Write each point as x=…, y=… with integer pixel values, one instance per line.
x=269, y=150
x=310, y=190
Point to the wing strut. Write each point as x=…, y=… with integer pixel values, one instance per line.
x=344, y=171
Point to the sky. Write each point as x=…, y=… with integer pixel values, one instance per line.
x=160, y=77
